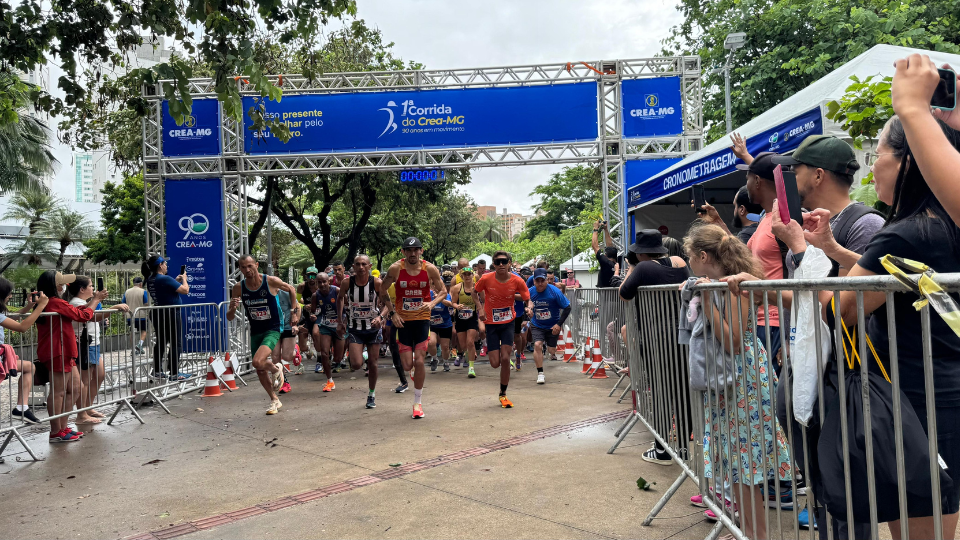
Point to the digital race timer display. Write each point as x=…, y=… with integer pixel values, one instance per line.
x=423, y=175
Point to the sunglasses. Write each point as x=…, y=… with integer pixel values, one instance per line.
x=501, y=261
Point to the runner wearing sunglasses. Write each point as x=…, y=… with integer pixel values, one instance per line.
x=501, y=289
x=414, y=278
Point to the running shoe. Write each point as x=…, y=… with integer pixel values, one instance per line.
x=456, y=361
x=803, y=519
x=329, y=386
x=540, y=379
x=553, y=358
x=180, y=377
x=471, y=374
x=75, y=432
x=274, y=408
x=652, y=456
x=371, y=402
x=418, y=411
x=285, y=388
x=64, y=436
x=446, y=366
x=801, y=486
x=434, y=362
x=483, y=351
x=336, y=367
x=523, y=356
x=512, y=363
x=785, y=499
x=505, y=403
x=401, y=388
x=278, y=380
x=27, y=416
x=318, y=368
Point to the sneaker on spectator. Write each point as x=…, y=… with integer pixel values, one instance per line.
x=803, y=519
x=64, y=436
x=74, y=431
x=785, y=499
x=800, y=485
x=652, y=456
x=26, y=415
x=158, y=375
x=180, y=377
x=697, y=500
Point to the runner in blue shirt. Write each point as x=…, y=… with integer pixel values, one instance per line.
x=550, y=310
x=441, y=330
x=323, y=311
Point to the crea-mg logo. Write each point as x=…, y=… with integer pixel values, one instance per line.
x=197, y=225
x=773, y=138
x=652, y=100
x=189, y=130
x=190, y=121
x=652, y=109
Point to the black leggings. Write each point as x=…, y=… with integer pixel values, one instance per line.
x=166, y=329
x=395, y=354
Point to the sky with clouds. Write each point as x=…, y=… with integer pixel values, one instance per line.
x=448, y=34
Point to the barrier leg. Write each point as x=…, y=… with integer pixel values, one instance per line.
x=624, y=394
x=156, y=400
x=665, y=499
x=620, y=380
x=121, y=405
x=14, y=433
x=623, y=434
x=715, y=531
x=623, y=425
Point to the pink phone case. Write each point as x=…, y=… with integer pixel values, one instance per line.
x=781, y=194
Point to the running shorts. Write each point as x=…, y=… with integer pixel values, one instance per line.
x=442, y=333
x=366, y=337
x=268, y=339
x=499, y=335
x=473, y=323
x=544, y=335
x=413, y=336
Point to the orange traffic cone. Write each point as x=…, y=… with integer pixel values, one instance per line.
x=599, y=371
x=228, y=376
x=592, y=348
x=571, y=348
x=211, y=387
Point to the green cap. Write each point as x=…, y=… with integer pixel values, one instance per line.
x=312, y=270
x=823, y=152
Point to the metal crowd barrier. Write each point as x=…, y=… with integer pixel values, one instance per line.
x=730, y=427
x=151, y=355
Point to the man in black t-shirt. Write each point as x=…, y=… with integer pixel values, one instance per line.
x=650, y=265
x=607, y=258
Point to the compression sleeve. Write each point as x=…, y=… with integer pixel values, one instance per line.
x=563, y=315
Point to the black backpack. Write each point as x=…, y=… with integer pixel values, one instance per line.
x=841, y=229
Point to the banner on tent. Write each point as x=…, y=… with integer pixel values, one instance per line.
x=782, y=138
x=652, y=107
x=429, y=119
x=636, y=171
x=195, y=238
x=199, y=135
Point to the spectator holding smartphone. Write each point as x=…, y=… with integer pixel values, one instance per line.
x=914, y=83
x=38, y=302
x=165, y=291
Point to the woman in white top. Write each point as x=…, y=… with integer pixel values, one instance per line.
x=80, y=293
x=25, y=368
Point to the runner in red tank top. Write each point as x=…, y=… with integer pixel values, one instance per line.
x=413, y=278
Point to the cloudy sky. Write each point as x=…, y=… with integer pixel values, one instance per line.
x=448, y=34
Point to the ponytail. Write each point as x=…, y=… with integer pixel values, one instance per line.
x=150, y=266
x=732, y=255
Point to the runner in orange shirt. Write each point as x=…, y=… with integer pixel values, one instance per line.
x=501, y=288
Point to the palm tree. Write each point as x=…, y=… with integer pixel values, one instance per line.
x=32, y=207
x=26, y=157
x=30, y=251
x=65, y=227
x=492, y=228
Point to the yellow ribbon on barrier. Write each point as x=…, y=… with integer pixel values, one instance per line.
x=923, y=282
x=851, y=354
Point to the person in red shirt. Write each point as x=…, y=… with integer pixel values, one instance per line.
x=57, y=350
x=501, y=289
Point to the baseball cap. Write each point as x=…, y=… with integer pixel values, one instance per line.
x=65, y=279
x=762, y=165
x=412, y=242
x=753, y=210
x=540, y=273
x=138, y=279
x=466, y=270
x=823, y=152
x=312, y=270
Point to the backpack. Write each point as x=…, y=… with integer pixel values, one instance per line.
x=841, y=229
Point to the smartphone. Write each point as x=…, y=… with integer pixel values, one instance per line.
x=99, y=283
x=788, y=198
x=945, y=96
x=699, y=199
x=34, y=296
x=183, y=269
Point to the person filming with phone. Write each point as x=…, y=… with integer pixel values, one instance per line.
x=165, y=291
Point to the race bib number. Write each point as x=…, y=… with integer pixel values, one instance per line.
x=436, y=320
x=260, y=313
x=412, y=304
x=362, y=312
x=502, y=315
x=465, y=313
x=543, y=315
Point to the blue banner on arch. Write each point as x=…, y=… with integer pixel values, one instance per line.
x=199, y=135
x=429, y=119
x=652, y=107
x=781, y=138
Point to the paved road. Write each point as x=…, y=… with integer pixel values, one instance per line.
x=322, y=467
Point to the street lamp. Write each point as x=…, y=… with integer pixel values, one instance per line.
x=731, y=43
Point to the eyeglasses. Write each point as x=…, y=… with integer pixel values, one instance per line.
x=501, y=261
x=870, y=158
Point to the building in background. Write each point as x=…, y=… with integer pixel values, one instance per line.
x=512, y=224
x=91, y=171
x=484, y=212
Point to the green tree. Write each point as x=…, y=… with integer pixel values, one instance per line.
x=562, y=198
x=792, y=43
x=492, y=229
x=66, y=228
x=452, y=229
x=32, y=207
x=89, y=40
x=121, y=235
x=30, y=251
x=26, y=158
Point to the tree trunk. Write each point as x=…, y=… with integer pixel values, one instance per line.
x=262, y=218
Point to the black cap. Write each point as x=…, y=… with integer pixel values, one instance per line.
x=138, y=279
x=412, y=242
x=648, y=241
x=823, y=152
x=762, y=165
x=743, y=199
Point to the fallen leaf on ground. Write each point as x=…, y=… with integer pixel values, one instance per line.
x=644, y=485
x=153, y=462
x=198, y=409
x=396, y=464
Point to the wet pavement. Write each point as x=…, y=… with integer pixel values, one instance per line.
x=327, y=467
